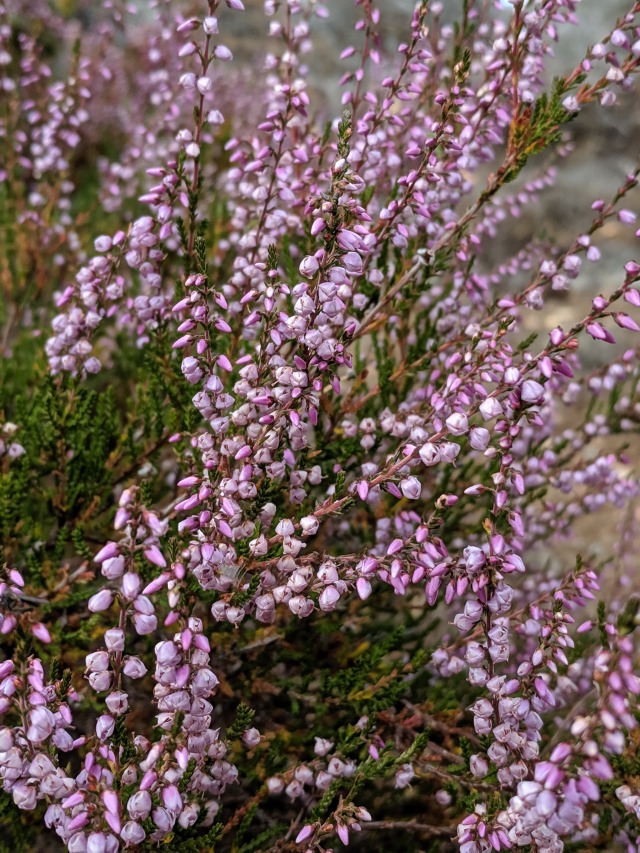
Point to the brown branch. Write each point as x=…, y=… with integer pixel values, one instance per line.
x=410, y=826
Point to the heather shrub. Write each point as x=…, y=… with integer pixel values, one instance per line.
x=292, y=445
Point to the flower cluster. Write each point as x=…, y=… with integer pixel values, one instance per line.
x=286, y=468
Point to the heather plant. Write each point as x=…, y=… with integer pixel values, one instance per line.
x=285, y=482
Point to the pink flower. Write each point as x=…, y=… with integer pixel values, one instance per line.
x=171, y=798
x=117, y=702
x=343, y=833
x=490, y=408
x=599, y=333
x=154, y=555
x=352, y=263
x=40, y=632
x=411, y=488
x=309, y=266
x=305, y=833
x=101, y=601
x=404, y=775
x=429, y=453
x=107, y=552
x=363, y=587
x=479, y=438
x=223, y=53
x=457, y=424
x=532, y=392
x=329, y=597
x=25, y=796
x=139, y=805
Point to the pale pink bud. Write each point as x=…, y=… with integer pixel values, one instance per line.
x=117, y=702
x=105, y=726
x=111, y=801
x=343, y=833
x=352, y=263
x=457, y=423
x=223, y=53
x=25, y=796
x=411, y=488
x=113, y=567
x=102, y=244
x=130, y=585
x=100, y=681
x=251, y=738
x=40, y=632
x=429, y=453
x=145, y=623
x=490, y=408
x=171, y=798
x=16, y=578
x=188, y=26
x=105, y=553
x=404, y=775
x=599, y=333
x=154, y=555
x=479, y=766
x=305, y=832
x=329, y=597
x=309, y=266
x=122, y=517
x=114, y=639
x=543, y=691
x=479, y=438
x=100, y=601
x=363, y=588
x=626, y=322
x=132, y=834
x=97, y=662
x=532, y=392
x=560, y=752
x=139, y=805
x=309, y=525
x=134, y=667
x=41, y=724
x=274, y=785
x=626, y=216
x=157, y=584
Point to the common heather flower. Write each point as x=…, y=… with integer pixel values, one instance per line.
x=286, y=485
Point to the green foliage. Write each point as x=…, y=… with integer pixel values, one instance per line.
x=69, y=432
x=246, y=822
x=188, y=775
x=345, y=130
x=244, y=716
x=385, y=364
x=360, y=675
x=122, y=739
x=18, y=828
x=263, y=841
x=535, y=129
x=197, y=841
x=602, y=620
x=368, y=771
x=628, y=619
